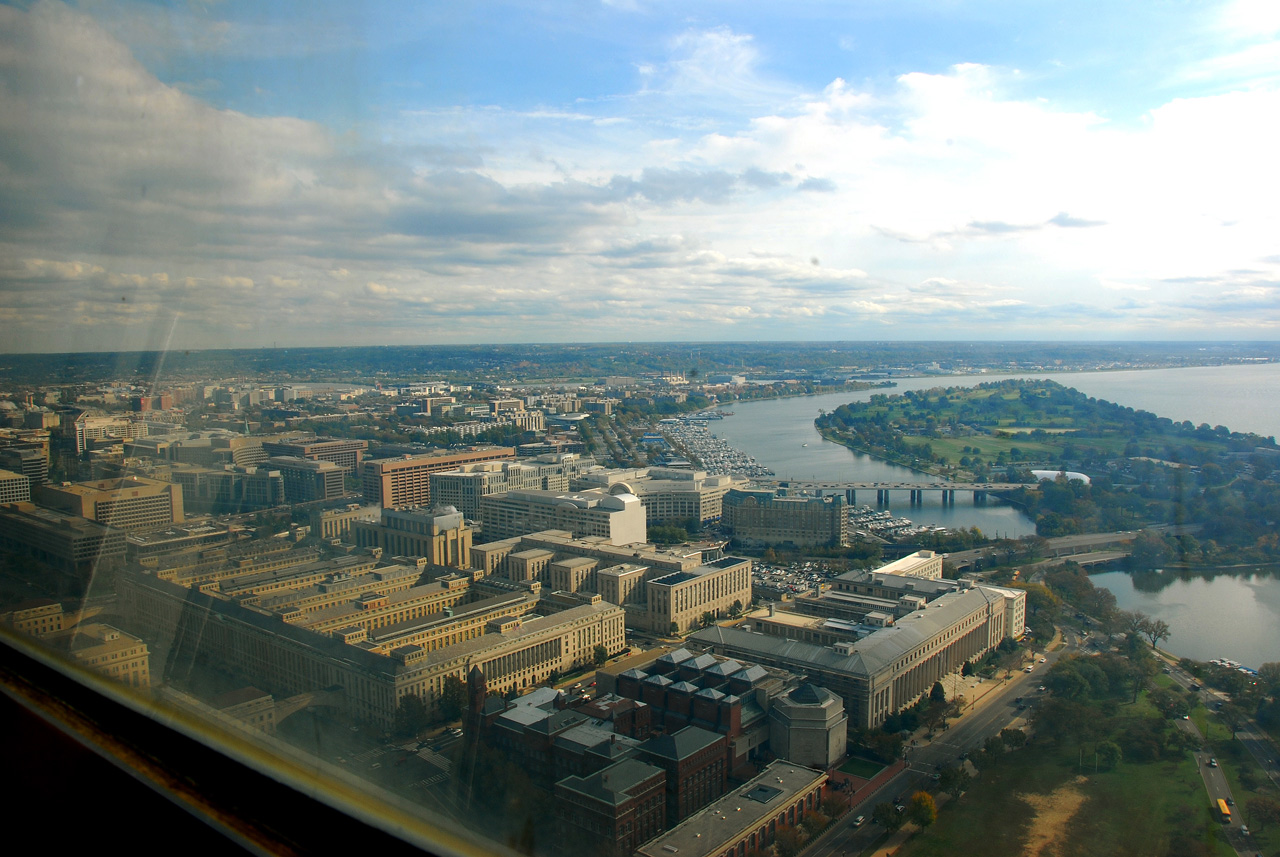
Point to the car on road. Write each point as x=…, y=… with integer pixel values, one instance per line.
x=1213, y=763
x=1244, y=830
x=1044, y=660
x=859, y=821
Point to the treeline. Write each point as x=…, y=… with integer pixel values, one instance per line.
x=1034, y=404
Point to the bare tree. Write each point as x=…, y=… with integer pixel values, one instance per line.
x=1154, y=630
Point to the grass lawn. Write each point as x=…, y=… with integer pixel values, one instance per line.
x=1132, y=810
x=864, y=768
x=1135, y=809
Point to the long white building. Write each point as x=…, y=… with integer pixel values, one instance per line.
x=617, y=518
x=668, y=493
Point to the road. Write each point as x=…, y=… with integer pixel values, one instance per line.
x=1215, y=781
x=996, y=711
x=1253, y=739
x=1217, y=788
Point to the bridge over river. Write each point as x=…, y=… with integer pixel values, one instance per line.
x=917, y=489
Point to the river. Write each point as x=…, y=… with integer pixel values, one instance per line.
x=1231, y=616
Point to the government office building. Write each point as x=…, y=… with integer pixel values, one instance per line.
x=890, y=668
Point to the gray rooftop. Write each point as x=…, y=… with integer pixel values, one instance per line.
x=682, y=744
x=612, y=784
x=873, y=652
x=727, y=820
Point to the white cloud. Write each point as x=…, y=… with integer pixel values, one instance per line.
x=688, y=203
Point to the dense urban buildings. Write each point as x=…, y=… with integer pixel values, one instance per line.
x=108, y=651
x=440, y=535
x=68, y=543
x=617, y=518
x=668, y=493
x=464, y=487
x=130, y=503
x=345, y=453
x=261, y=624
x=890, y=667
x=406, y=480
x=306, y=481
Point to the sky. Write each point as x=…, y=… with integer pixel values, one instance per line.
x=248, y=174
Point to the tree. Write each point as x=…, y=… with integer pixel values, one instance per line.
x=601, y=654
x=1108, y=754
x=1011, y=661
x=1170, y=703
x=954, y=780
x=411, y=716
x=736, y=610
x=1263, y=811
x=887, y=817
x=967, y=669
x=708, y=619
x=937, y=693
x=674, y=629
x=1013, y=739
x=453, y=698
x=1130, y=621
x=1149, y=550
x=787, y=841
x=993, y=748
x=814, y=822
x=1155, y=630
x=1269, y=674
x=922, y=810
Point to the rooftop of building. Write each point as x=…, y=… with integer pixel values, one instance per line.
x=427, y=456
x=613, y=784
x=870, y=654
x=239, y=696
x=723, y=822
x=592, y=498
x=125, y=483
x=93, y=638
x=682, y=744
x=528, y=626
x=441, y=617
x=33, y=515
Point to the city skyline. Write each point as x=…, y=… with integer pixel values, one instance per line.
x=236, y=176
